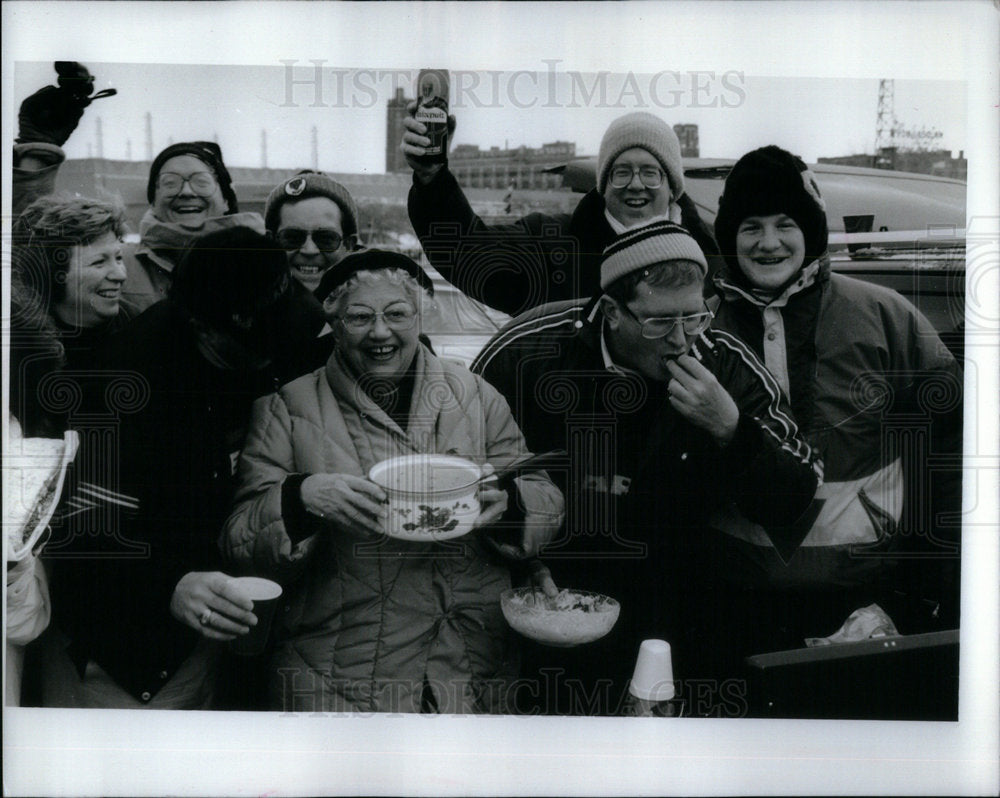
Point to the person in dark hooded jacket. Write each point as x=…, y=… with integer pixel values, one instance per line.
x=870, y=384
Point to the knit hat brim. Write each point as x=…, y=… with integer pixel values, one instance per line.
x=307, y=184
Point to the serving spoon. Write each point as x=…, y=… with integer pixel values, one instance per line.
x=536, y=462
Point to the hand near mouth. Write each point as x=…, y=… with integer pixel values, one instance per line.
x=698, y=396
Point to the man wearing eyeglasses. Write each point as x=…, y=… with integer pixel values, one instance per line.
x=663, y=419
x=551, y=257
x=315, y=220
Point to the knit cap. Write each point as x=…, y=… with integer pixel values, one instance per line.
x=647, y=246
x=304, y=185
x=370, y=260
x=641, y=129
x=766, y=182
x=231, y=278
x=206, y=151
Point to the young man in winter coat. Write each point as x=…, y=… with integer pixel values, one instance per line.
x=544, y=258
x=874, y=390
x=663, y=419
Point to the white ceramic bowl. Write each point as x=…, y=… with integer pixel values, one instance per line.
x=572, y=618
x=431, y=496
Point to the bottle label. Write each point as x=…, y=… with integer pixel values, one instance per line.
x=432, y=111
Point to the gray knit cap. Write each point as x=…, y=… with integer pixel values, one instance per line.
x=647, y=246
x=305, y=185
x=641, y=129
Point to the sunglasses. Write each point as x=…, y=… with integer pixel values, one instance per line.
x=291, y=238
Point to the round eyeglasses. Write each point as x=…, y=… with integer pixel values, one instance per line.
x=650, y=176
x=292, y=238
x=202, y=183
x=360, y=321
x=695, y=324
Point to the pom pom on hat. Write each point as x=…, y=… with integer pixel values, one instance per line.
x=766, y=182
x=305, y=185
x=641, y=129
x=647, y=246
x=206, y=151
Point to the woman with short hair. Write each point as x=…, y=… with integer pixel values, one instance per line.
x=67, y=275
x=374, y=623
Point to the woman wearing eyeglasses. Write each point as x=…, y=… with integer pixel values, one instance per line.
x=372, y=623
x=190, y=194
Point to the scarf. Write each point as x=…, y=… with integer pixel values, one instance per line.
x=673, y=214
x=164, y=242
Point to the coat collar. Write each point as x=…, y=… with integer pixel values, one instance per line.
x=426, y=405
x=733, y=289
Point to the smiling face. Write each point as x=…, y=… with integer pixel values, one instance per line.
x=185, y=206
x=769, y=249
x=650, y=356
x=308, y=262
x=379, y=350
x=635, y=203
x=93, y=283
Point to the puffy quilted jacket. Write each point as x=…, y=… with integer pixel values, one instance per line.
x=388, y=625
x=880, y=397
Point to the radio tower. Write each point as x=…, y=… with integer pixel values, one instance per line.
x=885, y=125
x=100, y=139
x=315, y=149
x=263, y=149
x=128, y=149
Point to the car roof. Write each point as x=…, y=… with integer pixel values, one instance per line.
x=896, y=200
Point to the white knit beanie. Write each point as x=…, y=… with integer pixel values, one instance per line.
x=647, y=246
x=641, y=129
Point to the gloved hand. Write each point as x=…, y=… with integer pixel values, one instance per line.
x=50, y=115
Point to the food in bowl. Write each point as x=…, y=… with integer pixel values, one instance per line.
x=430, y=496
x=571, y=618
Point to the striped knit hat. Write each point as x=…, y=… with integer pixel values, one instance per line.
x=649, y=245
x=652, y=134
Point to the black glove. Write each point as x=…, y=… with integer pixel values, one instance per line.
x=50, y=115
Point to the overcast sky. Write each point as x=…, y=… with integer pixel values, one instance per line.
x=735, y=111
x=522, y=73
